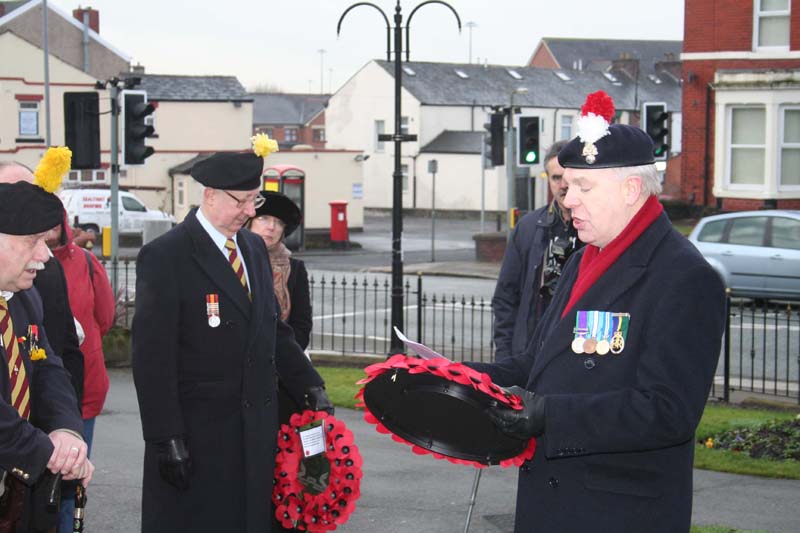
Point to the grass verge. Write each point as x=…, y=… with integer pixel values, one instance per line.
x=722, y=529
x=720, y=418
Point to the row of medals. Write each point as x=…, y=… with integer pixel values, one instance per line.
x=600, y=347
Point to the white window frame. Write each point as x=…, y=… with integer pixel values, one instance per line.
x=380, y=128
x=773, y=101
x=729, y=148
x=758, y=14
x=296, y=135
x=562, y=125
x=781, y=145
x=29, y=108
x=314, y=131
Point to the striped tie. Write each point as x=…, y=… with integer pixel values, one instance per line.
x=20, y=394
x=236, y=264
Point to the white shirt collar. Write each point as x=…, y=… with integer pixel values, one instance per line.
x=216, y=236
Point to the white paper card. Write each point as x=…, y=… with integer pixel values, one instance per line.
x=419, y=349
x=313, y=440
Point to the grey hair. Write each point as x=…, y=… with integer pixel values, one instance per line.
x=651, y=186
x=554, y=149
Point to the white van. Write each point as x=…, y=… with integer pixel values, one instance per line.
x=90, y=210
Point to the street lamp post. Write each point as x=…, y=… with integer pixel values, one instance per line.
x=510, y=154
x=399, y=138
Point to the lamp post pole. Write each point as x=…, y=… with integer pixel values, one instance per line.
x=396, y=346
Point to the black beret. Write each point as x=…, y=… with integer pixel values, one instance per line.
x=233, y=171
x=26, y=209
x=625, y=146
x=280, y=206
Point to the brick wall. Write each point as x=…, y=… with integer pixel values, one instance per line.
x=727, y=25
x=697, y=142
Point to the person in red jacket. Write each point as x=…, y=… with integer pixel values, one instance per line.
x=92, y=301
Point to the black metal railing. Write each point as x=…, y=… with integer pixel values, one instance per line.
x=352, y=315
x=760, y=354
x=761, y=350
x=126, y=290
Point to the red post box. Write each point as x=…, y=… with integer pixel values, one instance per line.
x=338, y=223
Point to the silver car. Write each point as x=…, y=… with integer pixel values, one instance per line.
x=757, y=253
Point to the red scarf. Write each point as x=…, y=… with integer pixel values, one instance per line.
x=594, y=264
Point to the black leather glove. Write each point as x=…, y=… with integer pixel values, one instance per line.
x=317, y=400
x=525, y=423
x=174, y=463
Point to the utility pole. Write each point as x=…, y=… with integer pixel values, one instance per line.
x=510, y=154
x=46, y=46
x=321, y=69
x=399, y=138
x=470, y=25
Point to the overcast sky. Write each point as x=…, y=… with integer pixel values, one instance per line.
x=276, y=43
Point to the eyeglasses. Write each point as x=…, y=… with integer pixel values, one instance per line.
x=258, y=201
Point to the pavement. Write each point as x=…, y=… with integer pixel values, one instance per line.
x=404, y=492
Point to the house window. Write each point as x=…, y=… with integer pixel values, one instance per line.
x=771, y=22
x=88, y=175
x=403, y=125
x=404, y=171
x=181, y=193
x=790, y=147
x=380, y=129
x=747, y=146
x=319, y=135
x=290, y=135
x=28, y=118
x=268, y=131
x=566, y=127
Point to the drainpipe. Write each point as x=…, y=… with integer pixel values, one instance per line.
x=707, y=162
x=86, y=41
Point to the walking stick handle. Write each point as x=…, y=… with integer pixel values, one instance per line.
x=80, y=504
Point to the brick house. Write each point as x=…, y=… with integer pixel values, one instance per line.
x=291, y=119
x=741, y=104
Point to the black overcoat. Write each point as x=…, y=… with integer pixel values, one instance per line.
x=25, y=446
x=516, y=300
x=213, y=385
x=300, y=318
x=617, y=450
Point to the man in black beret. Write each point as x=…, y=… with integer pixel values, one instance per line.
x=617, y=373
x=39, y=417
x=208, y=345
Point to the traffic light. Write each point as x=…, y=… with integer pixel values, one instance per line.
x=493, y=143
x=527, y=141
x=656, y=124
x=82, y=129
x=513, y=217
x=135, y=129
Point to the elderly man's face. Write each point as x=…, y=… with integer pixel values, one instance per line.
x=20, y=257
x=558, y=187
x=597, y=200
x=228, y=211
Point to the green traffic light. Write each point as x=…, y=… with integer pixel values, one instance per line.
x=530, y=156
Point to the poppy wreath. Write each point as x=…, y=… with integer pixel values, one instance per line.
x=297, y=507
x=453, y=371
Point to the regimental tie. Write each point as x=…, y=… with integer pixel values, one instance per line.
x=20, y=393
x=236, y=264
